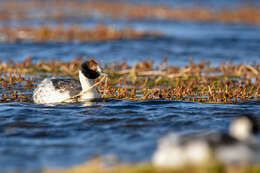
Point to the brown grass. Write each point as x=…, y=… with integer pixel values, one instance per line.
x=72, y=33
x=58, y=10
x=226, y=83
x=95, y=166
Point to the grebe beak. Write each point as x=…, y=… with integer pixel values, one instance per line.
x=103, y=74
x=100, y=71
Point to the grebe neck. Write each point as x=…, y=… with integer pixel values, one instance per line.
x=85, y=82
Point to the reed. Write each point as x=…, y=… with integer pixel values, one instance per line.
x=96, y=166
x=226, y=83
x=60, y=10
x=60, y=33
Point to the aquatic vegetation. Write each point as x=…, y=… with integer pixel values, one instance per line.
x=201, y=82
x=60, y=33
x=58, y=10
x=95, y=166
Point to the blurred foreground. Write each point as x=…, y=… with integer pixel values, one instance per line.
x=61, y=9
x=96, y=166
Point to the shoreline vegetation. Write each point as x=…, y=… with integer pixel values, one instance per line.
x=60, y=10
x=60, y=33
x=195, y=82
x=96, y=166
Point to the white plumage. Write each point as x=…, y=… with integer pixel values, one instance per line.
x=239, y=146
x=45, y=93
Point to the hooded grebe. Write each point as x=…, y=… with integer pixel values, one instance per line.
x=238, y=146
x=57, y=90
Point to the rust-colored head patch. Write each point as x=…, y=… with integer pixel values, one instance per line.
x=89, y=69
x=92, y=64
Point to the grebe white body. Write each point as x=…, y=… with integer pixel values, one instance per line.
x=57, y=90
x=238, y=146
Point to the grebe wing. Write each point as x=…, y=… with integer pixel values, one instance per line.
x=71, y=85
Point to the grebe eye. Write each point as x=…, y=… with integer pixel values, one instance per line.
x=94, y=68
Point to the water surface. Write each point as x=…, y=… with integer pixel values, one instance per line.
x=37, y=136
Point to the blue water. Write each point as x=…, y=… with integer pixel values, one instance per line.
x=36, y=136
x=181, y=40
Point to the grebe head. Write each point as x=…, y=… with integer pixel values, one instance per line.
x=90, y=69
x=244, y=127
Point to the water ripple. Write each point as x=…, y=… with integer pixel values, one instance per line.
x=117, y=126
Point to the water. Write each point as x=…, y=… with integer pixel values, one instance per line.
x=33, y=136
x=37, y=136
x=181, y=40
